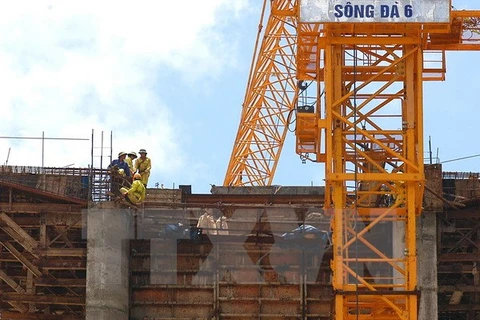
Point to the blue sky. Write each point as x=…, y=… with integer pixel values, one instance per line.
x=169, y=76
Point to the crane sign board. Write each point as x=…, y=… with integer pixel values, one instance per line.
x=405, y=11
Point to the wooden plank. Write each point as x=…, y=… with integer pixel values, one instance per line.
x=62, y=230
x=14, y=235
x=30, y=289
x=20, y=235
x=36, y=316
x=448, y=268
x=26, y=220
x=20, y=257
x=458, y=307
x=463, y=288
x=43, y=282
x=459, y=257
x=52, y=263
x=43, y=236
x=43, y=299
x=38, y=208
x=62, y=252
x=63, y=264
x=11, y=282
x=22, y=308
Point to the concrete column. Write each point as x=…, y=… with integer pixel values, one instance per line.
x=398, y=248
x=108, y=234
x=427, y=266
x=427, y=281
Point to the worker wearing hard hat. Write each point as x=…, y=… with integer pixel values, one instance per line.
x=120, y=166
x=143, y=166
x=137, y=192
x=129, y=160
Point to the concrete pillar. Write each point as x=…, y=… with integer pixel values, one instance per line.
x=108, y=234
x=427, y=281
x=398, y=243
x=427, y=244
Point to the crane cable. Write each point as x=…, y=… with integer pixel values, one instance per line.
x=462, y=158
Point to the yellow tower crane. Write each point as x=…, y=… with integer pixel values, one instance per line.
x=351, y=73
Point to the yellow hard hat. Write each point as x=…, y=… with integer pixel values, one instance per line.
x=137, y=176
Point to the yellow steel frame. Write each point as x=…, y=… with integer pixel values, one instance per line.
x=375, y=119
x=368, y=130
x=270, y=95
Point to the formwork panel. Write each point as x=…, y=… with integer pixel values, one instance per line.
x=251, y=273
x=190, y=295
x=231, y=291
x=234, y=307
x=170, y=311
x=283, y=292
x=280, y=307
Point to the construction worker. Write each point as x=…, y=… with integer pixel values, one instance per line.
x=137, y=192
x=207, y=222
x=400, y=190
x=143, y=166
x=120, y=166
x=129, y=160
x=120, y=173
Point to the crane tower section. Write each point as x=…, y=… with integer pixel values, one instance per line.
x=351, y=75
x=370, y=115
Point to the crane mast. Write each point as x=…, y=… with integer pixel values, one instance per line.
x=356, y=91
x=373, y=109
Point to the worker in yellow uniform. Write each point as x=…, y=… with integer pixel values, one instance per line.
x=400, y=186
x=129, y=160
x=143, y=166
x=137, y=192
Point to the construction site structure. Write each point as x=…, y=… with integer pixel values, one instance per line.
x=352, y=75
x=67, y=253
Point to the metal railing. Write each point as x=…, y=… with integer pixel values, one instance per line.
x=81, y=183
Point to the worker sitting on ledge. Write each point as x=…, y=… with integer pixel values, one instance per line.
x=137, y=192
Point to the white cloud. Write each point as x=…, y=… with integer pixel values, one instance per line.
x=72, y=66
